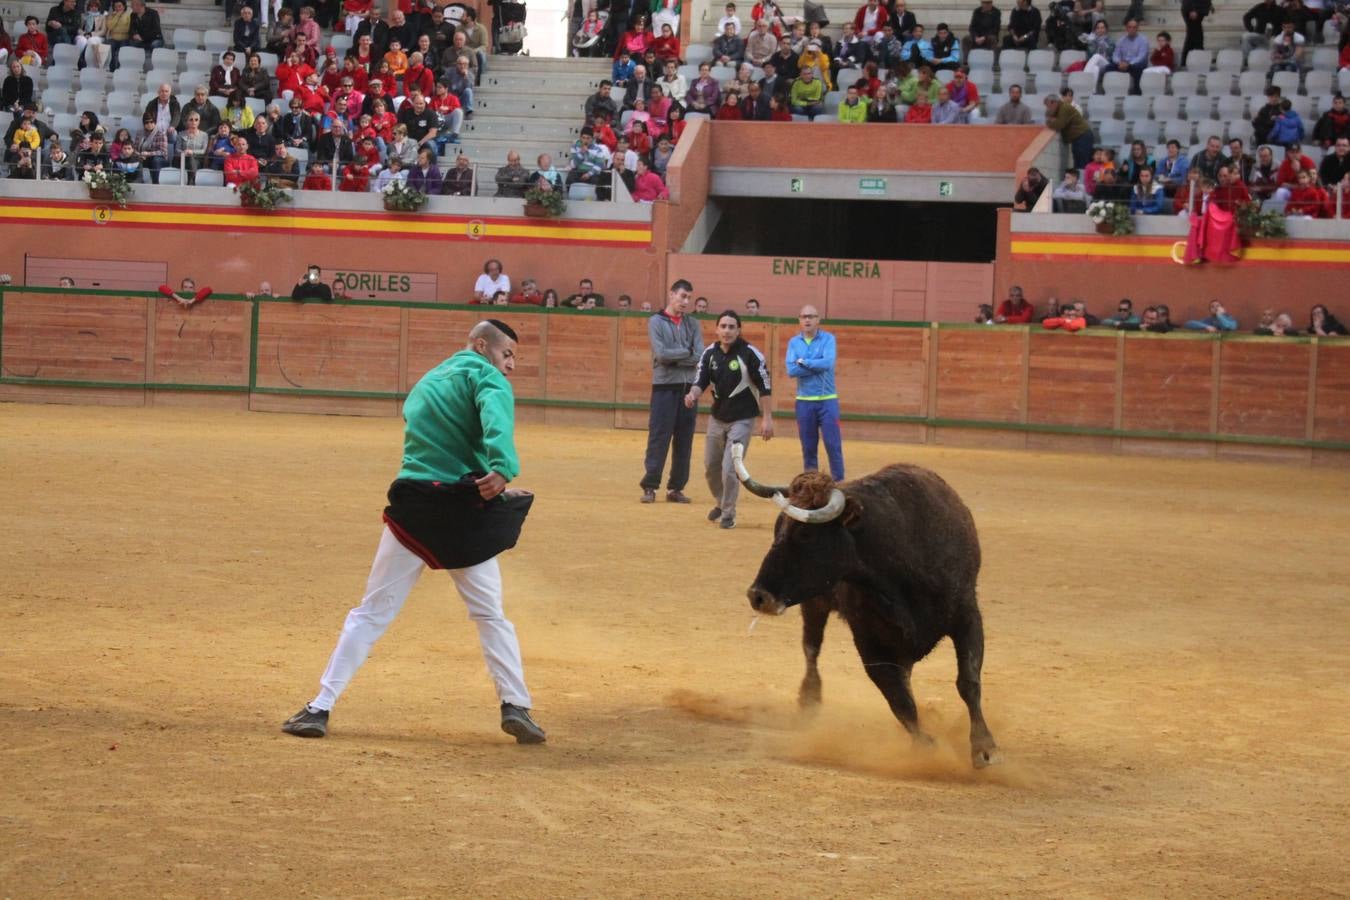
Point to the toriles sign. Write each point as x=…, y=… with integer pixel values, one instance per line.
x=387, y=285
x=827, y=268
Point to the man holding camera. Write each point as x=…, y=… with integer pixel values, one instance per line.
x=311, y=287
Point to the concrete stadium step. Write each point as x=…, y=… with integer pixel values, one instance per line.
x=199, y=16
x=512, y=128
x=549, y=66
x=493, y=152
x=548, y=106
x=527, y=83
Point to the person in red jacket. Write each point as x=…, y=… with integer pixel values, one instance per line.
x=32, y=41
x=240, y=166
x=869, y=20
x=1015, y=310
x=355, y=178
x=317, y=179
x=1231, y=192
x=417, y=77
x=291, y=74
x=1308, y=199
x=920, y=112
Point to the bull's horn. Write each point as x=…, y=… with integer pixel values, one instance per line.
x=827, y=513
x=751, y=485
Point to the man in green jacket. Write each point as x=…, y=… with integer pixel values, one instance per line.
x=448, y=509
x=1072, y=127
x=807, y=95
x=852, y=111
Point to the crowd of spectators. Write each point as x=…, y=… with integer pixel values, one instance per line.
x=1075, y=316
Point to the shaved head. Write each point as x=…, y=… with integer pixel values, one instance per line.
x=495, y=341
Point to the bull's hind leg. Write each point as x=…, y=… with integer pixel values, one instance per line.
x=892, y=679
x=815, y=613
x=968, y=639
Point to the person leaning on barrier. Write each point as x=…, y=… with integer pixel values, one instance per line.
x=311, y=287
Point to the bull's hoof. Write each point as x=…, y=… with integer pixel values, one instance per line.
x=923, y=741
x=982, y=759
x=808, y=698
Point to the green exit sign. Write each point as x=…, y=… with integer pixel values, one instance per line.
x=797, y=185
x=872, y=187
x=944, y=188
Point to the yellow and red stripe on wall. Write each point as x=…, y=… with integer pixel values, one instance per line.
x=323, y=223
x=1031, y=247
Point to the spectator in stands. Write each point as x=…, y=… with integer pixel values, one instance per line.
x=1030, y=190
x=1162, y=320
x=317, y=179
x=785, y=61
x=1208, y=160
x=814, y=58
x=17, y=91
x=730, y=18
x=247, y=34
x=1124, y=316
x=512, y=178
x=529, y=294
x=63, y=23
x=634, y=41
x=1070, y=318
x=1137, y=161
x=1015, y=310
x=1069, y=196
x=920, y=111
x=1333, y=125
x=1193, y=13
x=1264, y=176
x=95, y=157
x=1014, y=111
x=1170, y=171
x=1109, y=187
x=1308, y=199
x=1217, y=320
x=1264, y=119
x=1147, y=196
x=191, y=146
x=335, y=146
x=884, y=107
x=421, y=120
x=145, y=28
x=1288, y=125
x=1072, y=127
x=546, y=174
x=1286, y=50
x=1189, y=196
x=1099, y=46
x=25, y=138
x=622, y=70
x=224, y=76
x=639, y=87
x=236, y=113
x=1263, y=20
x=1162, y=60
x=403, y=147
x=477, y=36
x=852, y=111
x=761, y=44
x=355, y=175
x=424, y=175
x=807, y=95
x=255, y=81
x=32, y=48
x=280, y=35
x=869, y=21
x=588, y=161
x=491, y=281
x=666, y=46
x=392, y=171
x=914, y=84
x=1241, y=161
x=1277, y=326
x=461, y=84
x=728, y=48
x=705, y=94
x=1131, y=54
x=458, y=181
x=1335, y=168
x=56, y=163
x=240, y=166
x=1295, y=161
x=152, y=147
x=1024, y=27
x=261, y=142
x=946, y=111
x=601, y=101
x=1322, y=323
x=985, y=23
x=585, y=288
x=946, y=48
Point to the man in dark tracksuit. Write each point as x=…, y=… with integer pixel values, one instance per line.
x=739, y=378
x=676, y=342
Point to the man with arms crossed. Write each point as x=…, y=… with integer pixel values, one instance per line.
x=448, y=509
x=676, y=341
x=810, y=360
x=739, y=378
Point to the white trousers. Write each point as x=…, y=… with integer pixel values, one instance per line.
x=392, y=576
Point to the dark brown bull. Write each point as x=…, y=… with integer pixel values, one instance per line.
x=896, y=554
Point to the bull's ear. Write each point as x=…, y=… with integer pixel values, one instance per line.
x=852, y=514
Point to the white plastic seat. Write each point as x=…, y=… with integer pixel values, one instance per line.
x=1319, y=83
x=1199, y=61
x=131, y=58
x=1110, y=132
x=698, y=53
x=341, y=43
x=944, y=76
x=1083, y=84
x=1099, y=107
x=1232, y=107
x=257, y=104
x=1069, y=57
x=155, y=77
x=1143, y=129
x=216, y=41
x=1177, y=130
x=64, y=56
x=1229, y=60
x=199, y=60
x=1166, y=107
x=1343, y=81
x=983, y=79
x=1135, y=107
x=1196, y=107
x=1325, y=59
x=1152, y=84
x=164, y=58
x=993, y=103
x=186, y=39
x=1116, y=84
x=63, y=124
x=210, y=178
x=1258, y=60
x=171, y=175
x=1041, y=61
x=1012, y=61
x=88, y=99
x=1287, y=82
x=981, y=59
x=579, y=191
x=269, y=61
x=1239, y=130
x=1304, y=107
x=1185, y=84
x=122, y=103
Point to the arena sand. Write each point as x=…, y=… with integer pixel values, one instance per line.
x=1166, y=674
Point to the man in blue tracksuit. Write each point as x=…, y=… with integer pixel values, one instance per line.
x=810, y=360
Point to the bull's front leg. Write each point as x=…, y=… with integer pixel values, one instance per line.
x=892, y=679
x=968, y=639
x=815, y=613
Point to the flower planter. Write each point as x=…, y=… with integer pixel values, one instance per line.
x=536, y=210
x=1106, y=228
x=103, y=194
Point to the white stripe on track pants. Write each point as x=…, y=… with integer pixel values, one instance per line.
x=392, y=576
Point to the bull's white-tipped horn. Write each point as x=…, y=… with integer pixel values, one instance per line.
x=751, y=485
x=827, y=513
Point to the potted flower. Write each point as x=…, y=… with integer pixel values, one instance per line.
x=259, y=194
x=542, y=200
x=398, y=197
x=1252, y=222
x=1111, y=217
x=108, y=184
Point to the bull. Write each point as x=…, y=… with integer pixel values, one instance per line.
x=896, y=555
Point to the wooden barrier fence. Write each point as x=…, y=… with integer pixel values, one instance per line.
x=971, y=385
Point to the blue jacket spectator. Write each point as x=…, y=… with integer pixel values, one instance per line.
x=1217, y=320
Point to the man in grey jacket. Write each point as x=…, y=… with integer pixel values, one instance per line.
x=677, y=342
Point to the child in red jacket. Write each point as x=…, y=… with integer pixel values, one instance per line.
x=1308, y=199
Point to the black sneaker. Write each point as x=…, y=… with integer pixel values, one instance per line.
x=648, y=495
x=714, y=514
x=307, y=723
x=728, y=524
x=516, y=722
x=677, y=497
